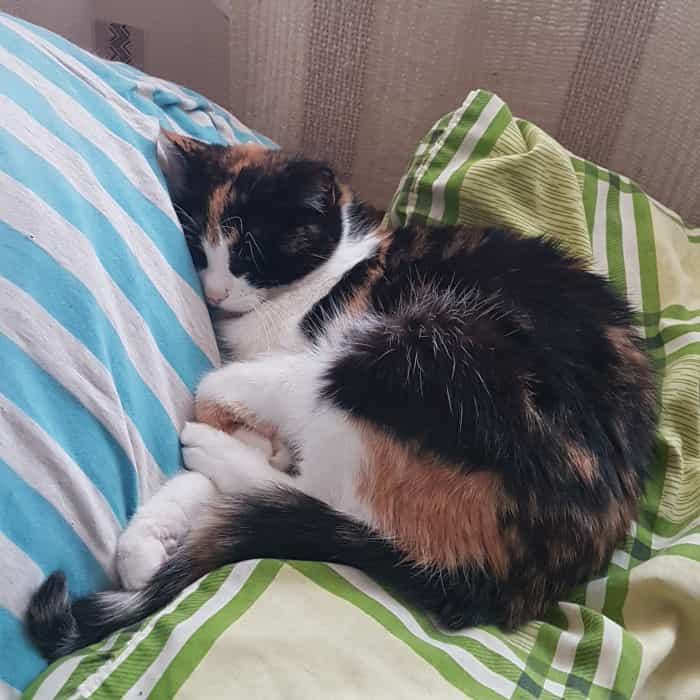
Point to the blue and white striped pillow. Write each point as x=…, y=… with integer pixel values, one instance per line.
x=103, y=333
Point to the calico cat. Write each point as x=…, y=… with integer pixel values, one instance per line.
x=466, y=415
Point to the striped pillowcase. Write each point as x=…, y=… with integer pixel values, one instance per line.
x=103, y=332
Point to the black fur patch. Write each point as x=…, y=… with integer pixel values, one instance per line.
x=50, y=622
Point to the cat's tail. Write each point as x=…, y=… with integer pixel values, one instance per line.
x=276, y=523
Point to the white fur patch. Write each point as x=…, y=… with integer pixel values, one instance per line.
x=284, y=390
x=113, y=604
x=159, y=526
x=279, y=380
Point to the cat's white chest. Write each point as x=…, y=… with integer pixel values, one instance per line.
x=275, y=325
x=275, y=328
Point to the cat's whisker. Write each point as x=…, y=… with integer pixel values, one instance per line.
x=231, y=221
x=252, y=254
x=251, y=237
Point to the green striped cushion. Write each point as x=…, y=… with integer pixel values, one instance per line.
x=273, y=629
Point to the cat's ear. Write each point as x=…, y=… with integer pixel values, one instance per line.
x=315, y=184
x=180, y=158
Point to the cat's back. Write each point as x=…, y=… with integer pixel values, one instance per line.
x=533, y=273
x=516, y=400
x=528, y=314
x=507, y=352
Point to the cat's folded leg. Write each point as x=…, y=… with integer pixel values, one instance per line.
x=161, y=524
x=279, y=390
x=234, y=466
x=158, y=527
x=276, y=451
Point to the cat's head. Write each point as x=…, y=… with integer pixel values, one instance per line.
x=255, y=219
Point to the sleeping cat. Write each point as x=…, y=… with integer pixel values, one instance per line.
x=464, y=414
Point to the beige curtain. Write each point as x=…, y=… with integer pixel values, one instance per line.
x=358, y=82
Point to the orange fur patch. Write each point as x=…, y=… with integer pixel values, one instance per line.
x=583, y=461
x=359, y=303
x=246, y=155
x=230, y=417
x=345, y=195
x=218, y=200
x=437, y=514
x=185, y=143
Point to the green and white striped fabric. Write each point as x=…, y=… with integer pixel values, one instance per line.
x=297, y=630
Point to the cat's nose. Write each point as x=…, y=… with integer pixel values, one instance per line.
x=214, y=298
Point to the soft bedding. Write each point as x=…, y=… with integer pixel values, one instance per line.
x=110, y=349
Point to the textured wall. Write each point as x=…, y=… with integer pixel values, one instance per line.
x=185, y=40
x=69, y=18
x=359, y=82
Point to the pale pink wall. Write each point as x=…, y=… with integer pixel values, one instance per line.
x=185, y=40
x=69, y=18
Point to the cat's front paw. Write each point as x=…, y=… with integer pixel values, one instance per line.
x=231, y=464
x=141, y=550
x=215, y=454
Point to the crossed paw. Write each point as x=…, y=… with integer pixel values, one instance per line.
x=226, y=459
